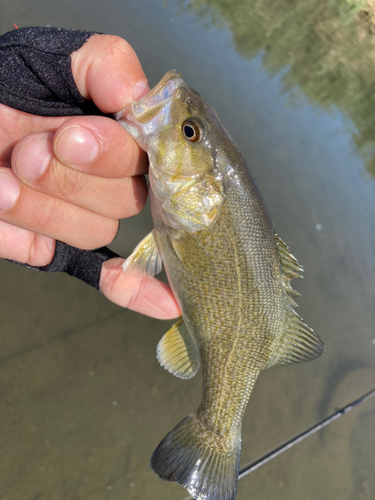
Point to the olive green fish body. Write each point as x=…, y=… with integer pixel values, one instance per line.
x=230, y=273
x=230, y=298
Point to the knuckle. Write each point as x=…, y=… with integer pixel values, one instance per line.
x=41, y=250
x=110, y=278
x=132, y=198
x=68, y=183
x=108, y=231
x=48, y=214
x=74, y=189
x=136, y=292
x=131, y=152
x=120, y=288
x=115, y=46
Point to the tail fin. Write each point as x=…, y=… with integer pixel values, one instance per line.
x=196, y=462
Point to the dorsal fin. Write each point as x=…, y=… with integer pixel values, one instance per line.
x=291, y=269
x=298, y=342
x=290, y=265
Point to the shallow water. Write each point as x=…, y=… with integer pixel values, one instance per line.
x=83, y=399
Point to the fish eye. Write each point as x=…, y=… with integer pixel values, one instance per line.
x=191, y=131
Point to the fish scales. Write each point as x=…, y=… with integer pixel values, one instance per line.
x=228, y=326
x=229, y=271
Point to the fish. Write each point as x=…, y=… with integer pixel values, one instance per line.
x=229, y=271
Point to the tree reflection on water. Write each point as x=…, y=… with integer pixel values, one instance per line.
x=327, y=47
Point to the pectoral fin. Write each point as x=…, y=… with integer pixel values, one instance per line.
x=299, y=343
x=187, y=249
x=145, y=258
x=177, y=351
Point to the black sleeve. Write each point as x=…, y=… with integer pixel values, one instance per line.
x=36, y=77
x=86, y=265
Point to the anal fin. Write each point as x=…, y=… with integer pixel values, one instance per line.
x=177, y=351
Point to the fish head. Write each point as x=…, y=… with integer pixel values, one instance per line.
x=181, y=133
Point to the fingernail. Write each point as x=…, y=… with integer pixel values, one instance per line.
x=140, y=89
x=34, y=157
x=9, y=189
x=76, y=146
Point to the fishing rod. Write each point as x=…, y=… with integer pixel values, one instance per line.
x=302, y=435
x=264, y=459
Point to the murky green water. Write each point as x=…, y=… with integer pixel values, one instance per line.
x=83, y=401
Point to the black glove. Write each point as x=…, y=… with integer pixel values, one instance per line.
x=36, y=77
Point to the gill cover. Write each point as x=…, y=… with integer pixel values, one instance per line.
x=174, y=125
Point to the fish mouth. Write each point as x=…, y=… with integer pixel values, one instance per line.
x=143, y=117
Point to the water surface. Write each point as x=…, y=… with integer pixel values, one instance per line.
x=83, y=399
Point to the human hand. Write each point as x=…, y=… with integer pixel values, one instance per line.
x=72, y=178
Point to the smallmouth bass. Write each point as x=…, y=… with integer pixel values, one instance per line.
x=229, y=271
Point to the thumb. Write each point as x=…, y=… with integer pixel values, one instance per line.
x=107, y=71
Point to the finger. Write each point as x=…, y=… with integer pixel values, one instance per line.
x=15, y=124
x=39, y=212
x=107, y=71
x=5, y=164
x=99, y=146
x=25, y=246
x=145, y=295
x=34, y=163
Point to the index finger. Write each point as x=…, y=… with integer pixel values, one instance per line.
x=146, y=295
x=14, y=125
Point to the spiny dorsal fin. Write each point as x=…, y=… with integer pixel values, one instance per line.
x=145, y=258
x=291, y=269
x=299, y=343
x=290, y=265
x=177, y=351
